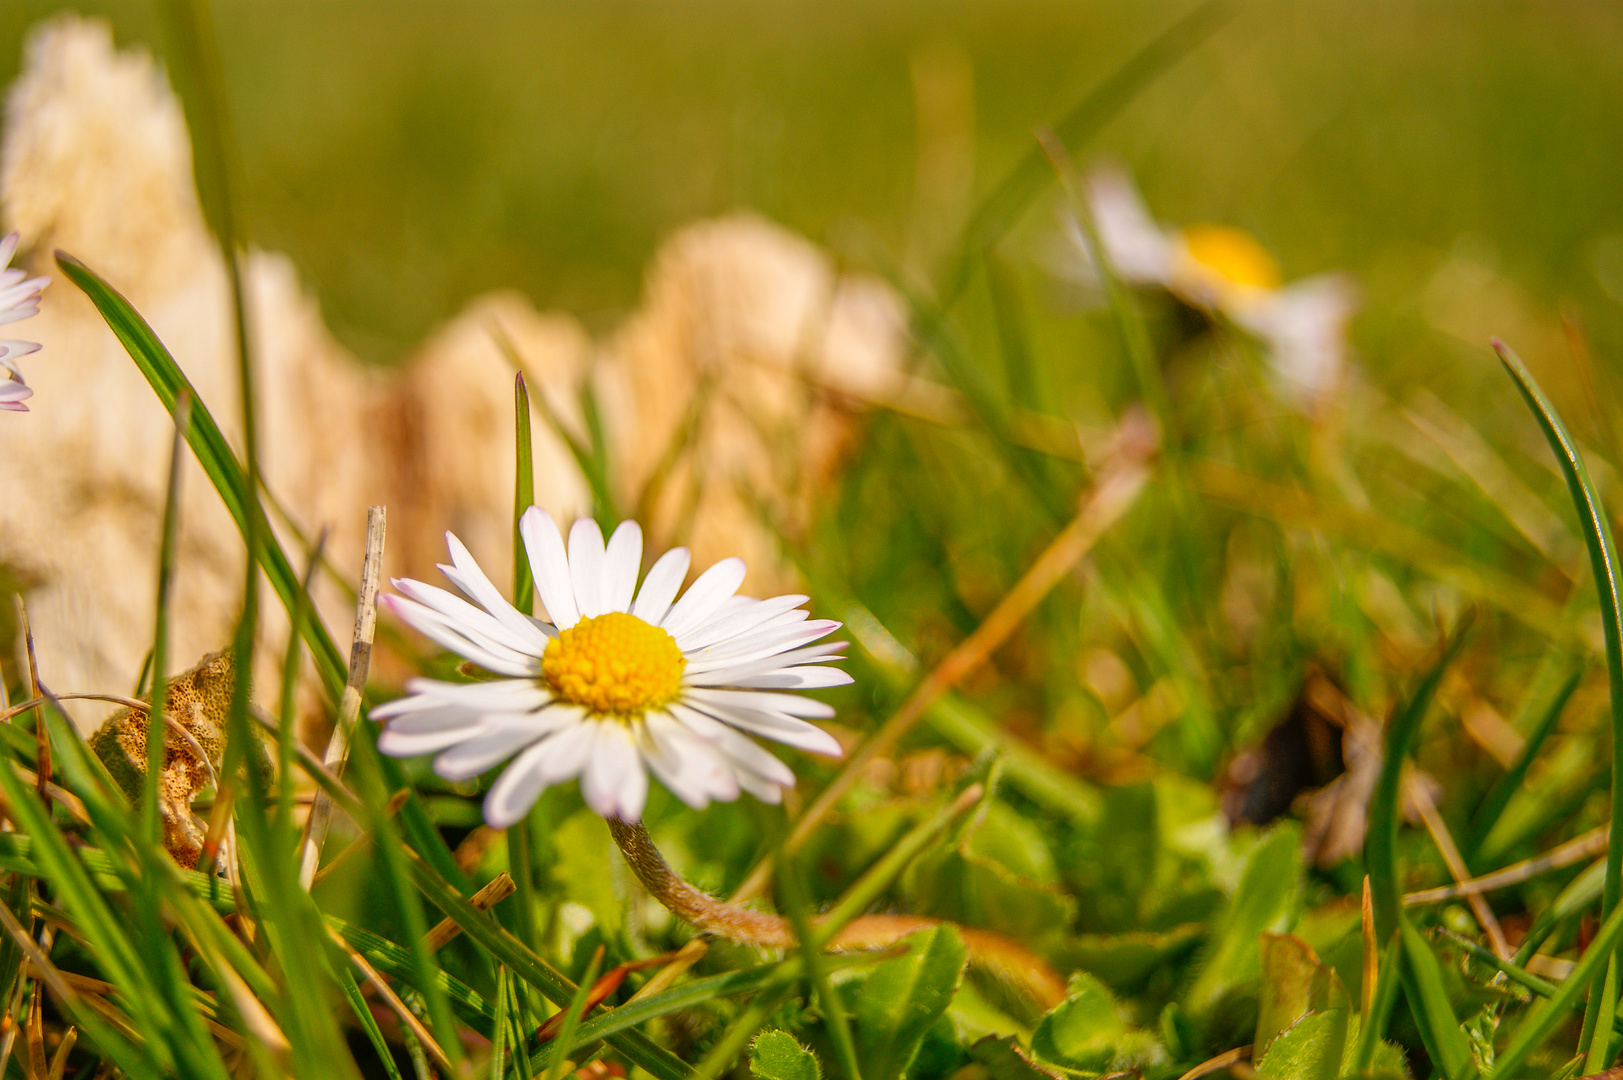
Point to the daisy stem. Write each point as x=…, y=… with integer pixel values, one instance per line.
x=737, y=923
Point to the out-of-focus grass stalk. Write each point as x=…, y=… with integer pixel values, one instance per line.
x=1420, y=974
x=1604, y=566
x=168, y=539
x=287, y=703
x=1129, y=320
x=1117, y=488
x=791, y=897
x=1003, y=207
x=1499, y=796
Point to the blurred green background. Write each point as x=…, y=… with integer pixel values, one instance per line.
x=409, y=155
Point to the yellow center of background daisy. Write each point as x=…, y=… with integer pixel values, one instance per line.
x=614, y=663
x=1232, y=255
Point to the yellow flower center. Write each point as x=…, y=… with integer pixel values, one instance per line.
x=1230, y=257
x=615, y=664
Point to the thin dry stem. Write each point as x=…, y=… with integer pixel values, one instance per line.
x=41, y=738
x=1117, y=487
x=1421, y=798
x=349, y=705
x=499, y=888
x=1577, y=849
x=392, y=999
x=1226, y=1060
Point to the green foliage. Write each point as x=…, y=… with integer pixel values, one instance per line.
x=1277, y=554
x=1265, y=900
x=895, y=1004
x=775, y=1055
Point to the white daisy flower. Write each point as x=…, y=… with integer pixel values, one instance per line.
x=1225, y=269
x=19, y=298
x=620, y=683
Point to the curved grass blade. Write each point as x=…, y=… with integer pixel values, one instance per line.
x=1604, y=565
x=1421, y=975
x=577, y=1005
x=1498, y=797
x=1549, y=1013
x=213, y=453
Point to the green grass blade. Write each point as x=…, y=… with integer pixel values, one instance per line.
x=523, y=494
x=1373, y=1025
x=168, y=536
x=1603, y=563
x=209, y=445
x=524, y=963
x=1428, y=1001
x=791, y=894
x=1380, y=844
x=369, y=1024
x=1498, y=797
x=1549, y=1013
x=572, y=1014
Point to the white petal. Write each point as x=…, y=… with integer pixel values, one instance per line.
x=621, y=563
x=707, y=594
x=779, y=728
x=545, y=546
x=586, y=566
x=791, y=704
x=435, y=628
x=498, y=694
x=467, y=576
x=1305, y=329
x=473, y=756
x=660, y=586
x=8, y=247
x=489, y=632
x=694, y=771
x=398, y=743
x=751, y=758
x=718, y=630
x=800, y=678
x=614, y=783
x=533, y=771
x=1139, y=250
x=722, y=672
x=769, y=645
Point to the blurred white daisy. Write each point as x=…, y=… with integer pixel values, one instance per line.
x=19, y=298
x=1224, y=269
x=622, y=682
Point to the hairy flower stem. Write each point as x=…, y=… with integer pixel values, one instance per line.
x=990, y=951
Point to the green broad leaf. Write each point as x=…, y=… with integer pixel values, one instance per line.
x=900, y=1000
x=1083, y=1031
x=1124, y=961
x=775, y=1055
x=1309, y=1050
x=1265, y=899
x=1000, y=876
x=1294, y=984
